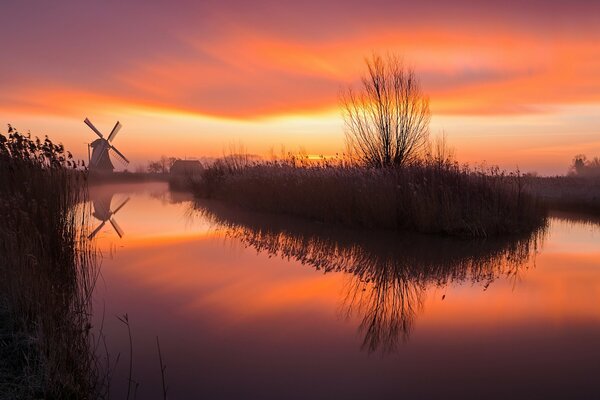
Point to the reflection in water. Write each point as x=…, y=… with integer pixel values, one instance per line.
x=172, y=196
x=101, y=202
x=388, y=274
x=574, y=218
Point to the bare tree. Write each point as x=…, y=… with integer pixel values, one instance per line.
x=581, y=166
x=155, y=167
x=387, y=119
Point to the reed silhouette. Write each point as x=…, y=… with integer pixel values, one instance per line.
x=48, y=270
x=388, y=274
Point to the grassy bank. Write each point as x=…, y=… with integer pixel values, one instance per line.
x=427, y=197
x=48, y=273
x=568, y=193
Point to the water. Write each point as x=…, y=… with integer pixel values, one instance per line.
x=251, y=307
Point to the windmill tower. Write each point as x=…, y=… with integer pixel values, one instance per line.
x=100, y=159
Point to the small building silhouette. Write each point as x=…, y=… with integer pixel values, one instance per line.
x=183, y=173
x=186, y=167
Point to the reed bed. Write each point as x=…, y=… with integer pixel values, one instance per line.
x=48, y=271
x=428, y=196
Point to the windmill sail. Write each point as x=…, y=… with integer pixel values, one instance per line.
x=121, y=205
x=119, y=156
x=116, y=227
x=95, y=232
x=88, y=123
x=114, y=132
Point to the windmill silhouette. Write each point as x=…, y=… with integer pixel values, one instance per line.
x=100, y=159
x=103, y=213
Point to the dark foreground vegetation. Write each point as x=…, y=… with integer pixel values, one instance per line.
x=388, y=274
x=427, y=196
x=48, y=273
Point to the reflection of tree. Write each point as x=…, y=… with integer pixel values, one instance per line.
x=388, y=303
x=166, y=196
x=388, y=273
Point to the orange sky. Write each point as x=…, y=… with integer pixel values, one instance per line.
x=511, y=84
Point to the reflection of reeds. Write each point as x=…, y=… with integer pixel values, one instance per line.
x=48, y=273
x=574, y=217
x=388, y=273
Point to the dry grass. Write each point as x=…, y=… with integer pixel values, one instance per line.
x=48, y=271
x=426, y=196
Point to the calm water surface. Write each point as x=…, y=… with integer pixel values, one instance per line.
x=250, y=307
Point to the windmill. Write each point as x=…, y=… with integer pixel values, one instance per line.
x=100, y=159
x=102, y=212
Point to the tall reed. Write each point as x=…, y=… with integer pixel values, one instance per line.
x=48, y=271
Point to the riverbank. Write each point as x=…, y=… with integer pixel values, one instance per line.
x=568, y=193
x=48, y=272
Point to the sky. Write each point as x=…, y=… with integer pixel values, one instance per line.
x=511, y=83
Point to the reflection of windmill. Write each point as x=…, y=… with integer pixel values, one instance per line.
x=103, y=213
x=100, y=148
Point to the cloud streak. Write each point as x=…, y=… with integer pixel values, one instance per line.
x=241, y=60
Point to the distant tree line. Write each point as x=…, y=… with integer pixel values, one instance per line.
x=161, y=166
x=581, y=166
